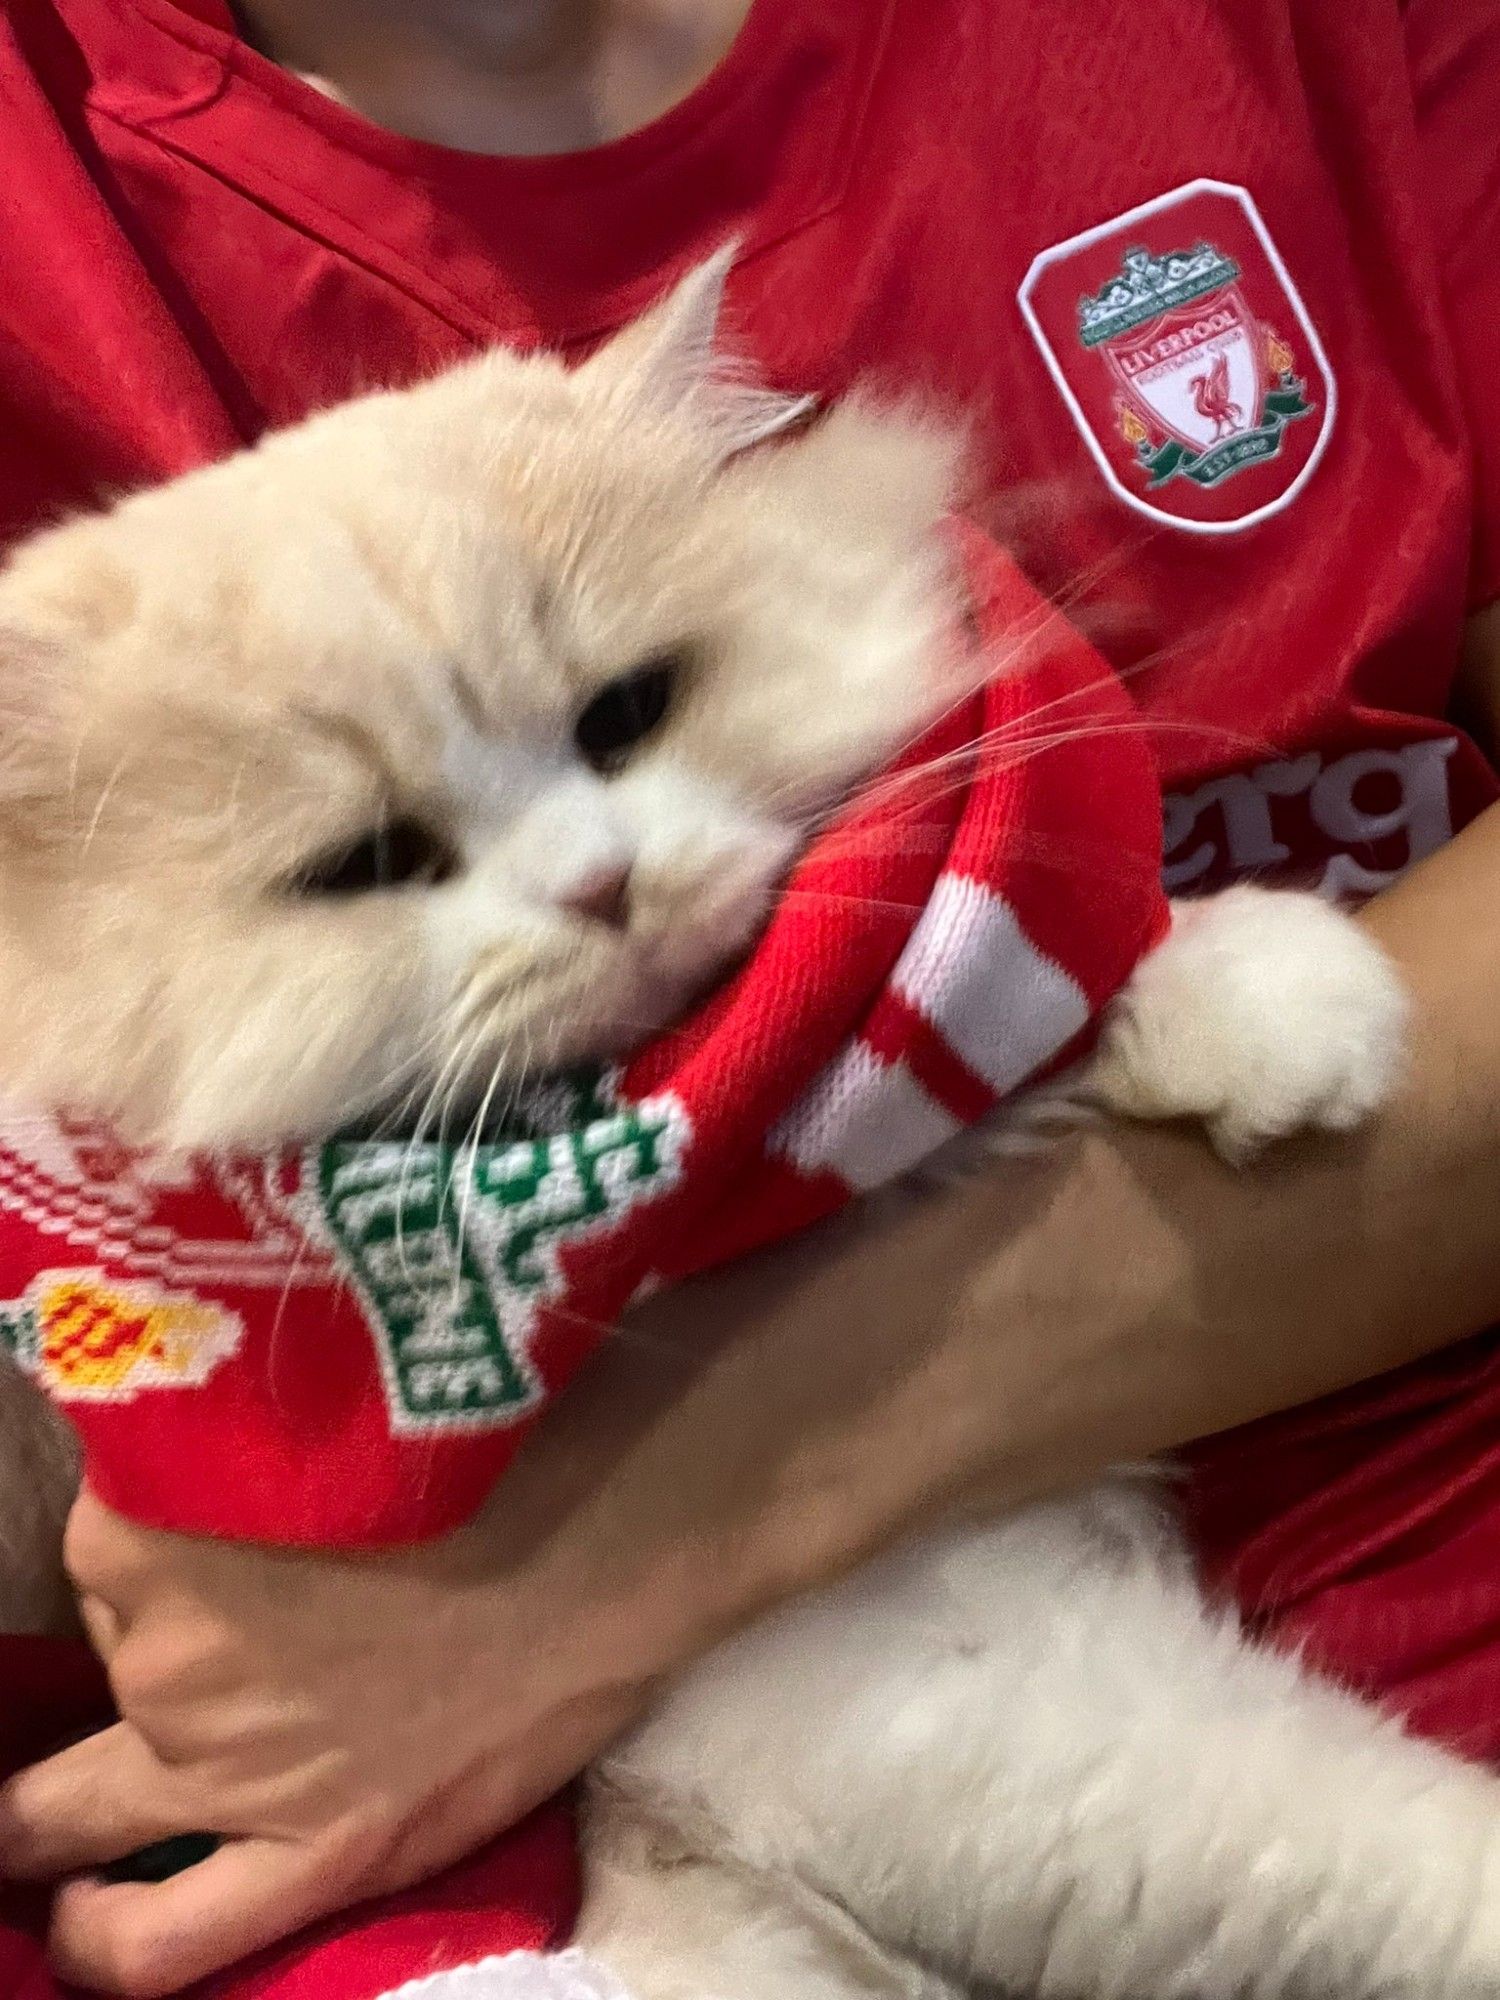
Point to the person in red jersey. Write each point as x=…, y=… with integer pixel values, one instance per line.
x=1215, y=283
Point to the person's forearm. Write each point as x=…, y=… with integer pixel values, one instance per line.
x=751, y=1434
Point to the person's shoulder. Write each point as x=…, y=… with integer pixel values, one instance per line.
x=124, y=57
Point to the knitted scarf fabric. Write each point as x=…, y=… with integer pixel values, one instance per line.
x=345, y=1344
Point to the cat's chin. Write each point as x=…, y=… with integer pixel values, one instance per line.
x=498, y=1093
x=659, y=982
x=635, y=991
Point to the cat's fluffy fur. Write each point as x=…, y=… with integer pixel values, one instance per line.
x=1023, y=1755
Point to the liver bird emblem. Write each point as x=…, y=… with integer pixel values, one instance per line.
x=1212, y=399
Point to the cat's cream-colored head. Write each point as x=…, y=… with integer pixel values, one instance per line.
x=456, y=734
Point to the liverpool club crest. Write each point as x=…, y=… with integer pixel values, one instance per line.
x=1186, y=358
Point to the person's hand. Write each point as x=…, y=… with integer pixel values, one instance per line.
x=351, y=1724
x=354, y=1724
x=348, y=1726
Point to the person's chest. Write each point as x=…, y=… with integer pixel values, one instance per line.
x=1169, y=264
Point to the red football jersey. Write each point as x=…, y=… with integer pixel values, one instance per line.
x=1214, y=281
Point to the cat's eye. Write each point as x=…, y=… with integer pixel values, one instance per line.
x=627, y=711
x=397, y=854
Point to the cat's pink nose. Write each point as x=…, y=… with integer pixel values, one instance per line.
x=602, y=897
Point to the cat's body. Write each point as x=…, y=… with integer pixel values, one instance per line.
x=1028, y=1756
x=467, y=730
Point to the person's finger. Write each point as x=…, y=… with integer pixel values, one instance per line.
x=103, y=1624
x=148, y=1940
x=96, y=1801
x=105, y=1555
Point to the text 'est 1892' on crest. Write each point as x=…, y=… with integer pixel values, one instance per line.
x=1186, y=357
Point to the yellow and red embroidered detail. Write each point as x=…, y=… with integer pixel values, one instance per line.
x=97, y=1338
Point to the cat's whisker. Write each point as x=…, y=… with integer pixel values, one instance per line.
x=998, y=661
x=394, y=1097
x=411, y=1069
x=514, y=1083
x=407, y=1065
x=796, y=895
x=452, y=1067
x=101, y=804
x=884, y=796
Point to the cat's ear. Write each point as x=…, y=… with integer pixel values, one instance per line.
x=670, y=361
x=669, y=353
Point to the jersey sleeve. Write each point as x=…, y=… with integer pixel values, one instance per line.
x=100, y=387
x=1453, y=51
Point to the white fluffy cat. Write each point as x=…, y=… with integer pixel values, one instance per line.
x=468, y=729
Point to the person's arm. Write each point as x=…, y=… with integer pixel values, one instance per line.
x=1117, y=1297
x=750, y=1436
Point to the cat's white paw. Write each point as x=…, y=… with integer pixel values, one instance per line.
x=1265, y=1012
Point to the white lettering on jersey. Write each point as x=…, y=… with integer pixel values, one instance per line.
x=1229, y=824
